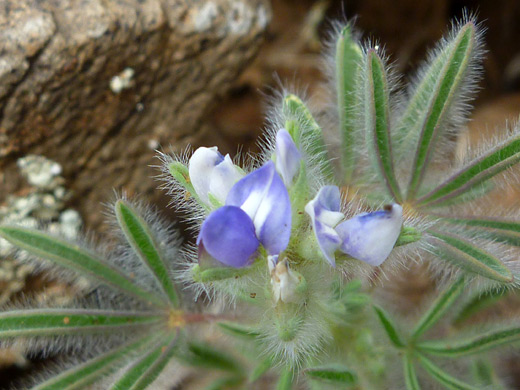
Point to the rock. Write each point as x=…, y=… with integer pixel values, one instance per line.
x=96, y=85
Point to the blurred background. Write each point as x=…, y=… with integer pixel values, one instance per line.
x=96, y=86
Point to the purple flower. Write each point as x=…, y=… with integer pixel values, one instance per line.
x=257, y=212
x=212, y=173
x=369, y=237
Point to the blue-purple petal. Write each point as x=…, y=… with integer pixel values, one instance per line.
x=288, y=157
x=324, y=213
x=248, y=192
x=273, y=218
x=264, y=197
x=370, y=237
x=228, y=235
x=328, y=240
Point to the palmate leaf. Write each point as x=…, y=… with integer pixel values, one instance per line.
x=285, y=382
x=389, y=327
x=54, y=322
x=443, y=377
x=478, y=303
x=261, y=369
x=77, y=259
x=94, y=369
x=139, y=237
x=239, y=330
x=477, y=344
x=200, y=354
x=377, y=122
x=348, y=58
x=333, y=373
x=305, y=131
x=225, y=383
x=430, y=106
x=485, y=375
x=497, y=229
x=410, y=376
x=146, y=369
x=478, y=171
x=467, y=256
x=439, y=308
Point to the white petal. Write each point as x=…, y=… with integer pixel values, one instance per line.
x=370, y=237
x=325, y=206
x=211, y=172
x=223, y=177
x=200, y=168
x=325, y=215
x=284, y=283
x=264, y=197
x=287, y=157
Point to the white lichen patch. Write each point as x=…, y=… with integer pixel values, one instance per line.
x=203, y=18
x=43, y=206
x=262, y=17
x=40, y=172
x=240, y=18
x=122, y=81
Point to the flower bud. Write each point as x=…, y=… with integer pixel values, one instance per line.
x=287, y=157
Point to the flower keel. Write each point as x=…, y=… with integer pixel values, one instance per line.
x=228, y=235
x=369, y=237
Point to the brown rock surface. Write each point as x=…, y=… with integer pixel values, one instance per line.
x=57, y=60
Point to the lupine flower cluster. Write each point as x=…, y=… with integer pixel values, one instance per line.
x=292, y=247
x=257, y=211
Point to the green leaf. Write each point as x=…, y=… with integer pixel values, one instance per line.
x=408, y=235
x=478, y=303
x=354, y=300
x=82, y=375
x=496, y=229
x=439, y=308
x=389, y=327
x=348, y=58
x=75, y=258
x=377, y=122
x=485, y=375
x=478, y=171
x=139, y=237
x=430, y=106
x=470, y=258
x=144, y=371
x=443, y=377
x=299, y=195
x=477, y=344
x=285, y=382
x=308, y=133
x=49, y=322
x=410, y=376
x=209, y=275
x=238, y=330
x=352, y=286
x=261, y=369
x=225, y=383
x=201, y=354
x=332, y=373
